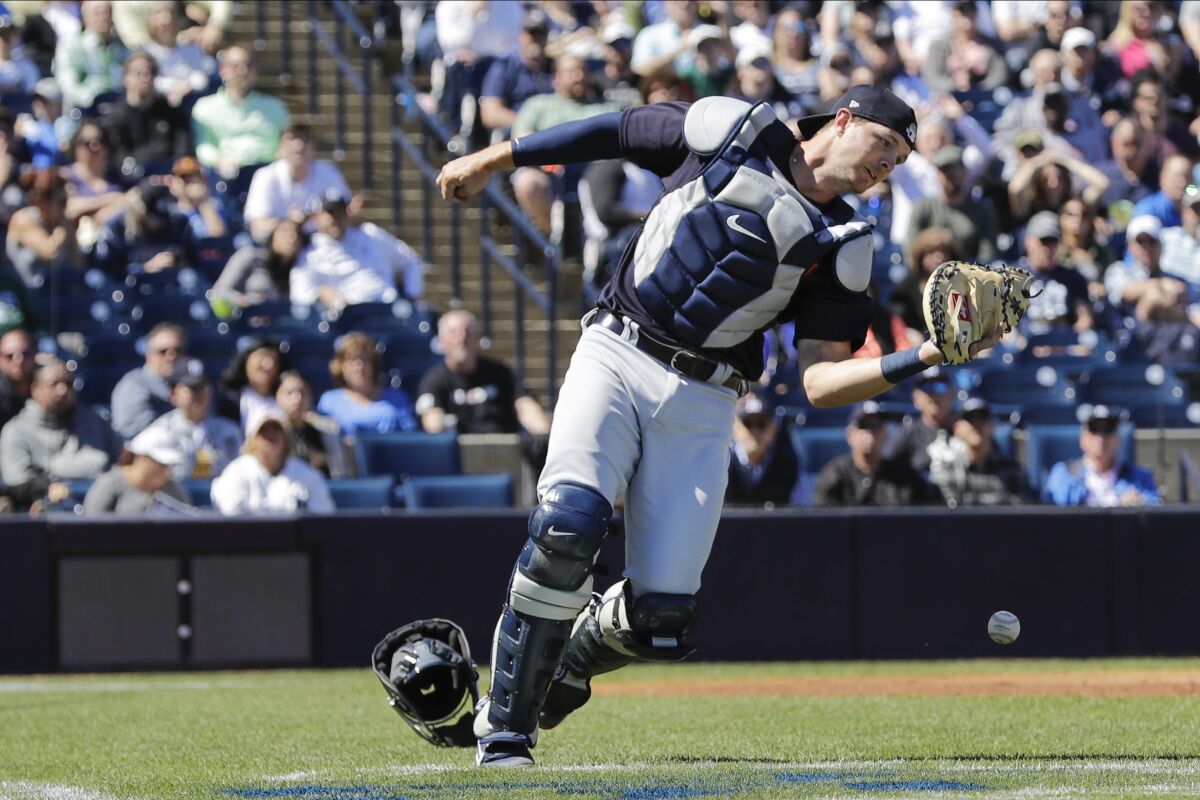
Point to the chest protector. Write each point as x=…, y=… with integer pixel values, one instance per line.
x=721, y=257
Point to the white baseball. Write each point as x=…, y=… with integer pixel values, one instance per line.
x=1004, y=627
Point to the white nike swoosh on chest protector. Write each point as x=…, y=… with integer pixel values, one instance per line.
x=733, y=223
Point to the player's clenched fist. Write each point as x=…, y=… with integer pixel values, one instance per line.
x=466, y=176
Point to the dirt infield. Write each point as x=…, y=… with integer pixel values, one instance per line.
x=1111, y=683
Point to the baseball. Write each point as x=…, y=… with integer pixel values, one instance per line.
x=1004, y=627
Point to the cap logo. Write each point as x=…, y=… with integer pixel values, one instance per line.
x=854, y=104
x=911, y=131
x=964, y=310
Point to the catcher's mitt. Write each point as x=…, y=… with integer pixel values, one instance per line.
x=964, y=303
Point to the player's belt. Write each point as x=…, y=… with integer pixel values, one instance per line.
x=682, y=361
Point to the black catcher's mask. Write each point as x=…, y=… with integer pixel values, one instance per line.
x=428, y=673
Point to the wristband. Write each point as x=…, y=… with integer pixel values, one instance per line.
x=902, y=364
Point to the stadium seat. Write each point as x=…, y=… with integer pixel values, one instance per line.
x=403, y=454
x=373, y=318
x=1027, y=385
x=211, y=343
x=199, y=490
x=366, y=493
x=459, y=491
x=806, y=417
x=816, y=447
x=187, y=310
x=1046, y=445
x=1049, y=415
x=94, y=382
x=184, y=281
x=1135, y=384
x=1160, y=415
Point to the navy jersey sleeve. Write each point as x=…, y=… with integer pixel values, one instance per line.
x=652, y=136
x=827, y=312
x=495, y=82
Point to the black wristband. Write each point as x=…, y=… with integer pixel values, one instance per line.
x=902, y=364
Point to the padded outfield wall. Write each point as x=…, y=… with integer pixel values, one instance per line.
x=321, y=591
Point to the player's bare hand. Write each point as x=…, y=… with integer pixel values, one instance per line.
x=467, y=176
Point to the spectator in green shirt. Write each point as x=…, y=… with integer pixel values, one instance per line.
x=90, y=64
x=237, y=127
x=573, y=99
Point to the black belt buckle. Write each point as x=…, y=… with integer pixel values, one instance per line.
x=692, y=365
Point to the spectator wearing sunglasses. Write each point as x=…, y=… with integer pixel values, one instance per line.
x=968, y=467
x=1101, y=478
x=144, y=394
x=864, y=476
x=763, y=468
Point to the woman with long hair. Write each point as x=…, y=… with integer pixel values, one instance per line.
x=361, y=402
x=252, y=378
x=92, y=194
x=258, y=274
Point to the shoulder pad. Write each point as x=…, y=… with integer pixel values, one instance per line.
x=709, y=122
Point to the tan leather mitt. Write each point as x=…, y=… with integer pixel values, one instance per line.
x=965, y=302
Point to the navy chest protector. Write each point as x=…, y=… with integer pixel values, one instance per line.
x=721, y=257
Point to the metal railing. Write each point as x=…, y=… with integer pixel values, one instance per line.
x=494, y=208
x=1189, y=478
x=348, y=35
x=422, y=150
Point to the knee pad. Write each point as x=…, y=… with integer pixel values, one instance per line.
x=650, y=627
x=553, y=578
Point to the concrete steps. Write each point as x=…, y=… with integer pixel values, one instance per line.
x=439, y=292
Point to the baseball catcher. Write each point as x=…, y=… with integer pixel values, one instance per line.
x=750, y=231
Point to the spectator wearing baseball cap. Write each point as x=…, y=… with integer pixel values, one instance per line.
x=141, y=475
x=712, y=63
x=968, y=467
x=1181, y=244
x=763, y=468
x=617, y=81
x=1089, y=73
x=755, y=81
x=973, y=221
x=864, y=476
x=933, y=395
x=45, y=131
x=207, y=442
x=1065, y=304
x=1141, y=286
x=513, y=79
x=267, y=478
x=1101, y=477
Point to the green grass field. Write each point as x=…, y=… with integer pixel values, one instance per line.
x=328, y=735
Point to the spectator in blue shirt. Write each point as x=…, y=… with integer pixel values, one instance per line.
x=361, y=403
x=1167, y=202
x=512, y=80
x=1100, y=478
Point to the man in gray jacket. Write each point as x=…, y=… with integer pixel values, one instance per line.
x=55, y=436
x=144, y=394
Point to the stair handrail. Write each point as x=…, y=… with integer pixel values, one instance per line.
x=492, y=202
x=344, y=20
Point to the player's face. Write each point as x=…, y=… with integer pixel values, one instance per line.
x=867, y=152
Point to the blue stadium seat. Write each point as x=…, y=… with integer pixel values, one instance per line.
x=405, y=372
x=1027, y=385
x=368, y=493
x=199, y=490
x=187, y=310
x=403, y=454
x=94, y=382
x=211, y=343
x=372, y=317
x=816, y=447
x=1135, y=384
x=109, y=346
x=1046, y=445
x=836, y=417
x=299, y=343
x=1049, y=415
x=184, y=281
x=1155, y=415
x=459, y=491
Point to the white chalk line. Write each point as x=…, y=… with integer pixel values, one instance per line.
x=50, y=687
x=30, y=790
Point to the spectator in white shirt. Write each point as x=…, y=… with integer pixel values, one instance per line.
x=267, y=478
x=292, y=186
x=182, y=68
x=346, y=264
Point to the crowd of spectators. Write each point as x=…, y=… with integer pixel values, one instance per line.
x=1062, y=136
x=137, y=154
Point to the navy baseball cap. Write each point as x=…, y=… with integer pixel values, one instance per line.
x=867, y=410
x=869, y=102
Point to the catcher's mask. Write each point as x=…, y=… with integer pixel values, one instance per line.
x=428, y=673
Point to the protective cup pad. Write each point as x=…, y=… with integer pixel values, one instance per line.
x=709, y=122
